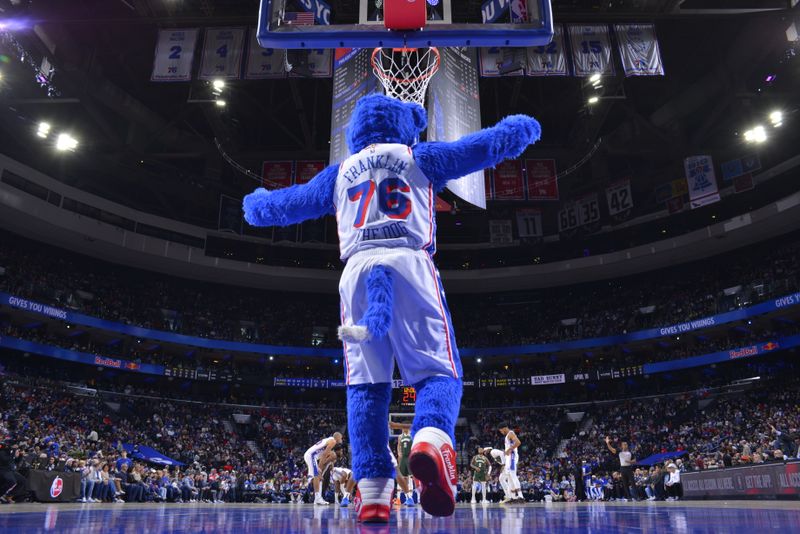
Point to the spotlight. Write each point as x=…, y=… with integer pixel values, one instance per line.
x=66, y=142
x=594, y=99
x=770, y=78
x=221, y=103
x=776, y=118
x=756, y=135
x=271, y=358
x=44, y=130
x=594, y=78
x=479, y=360
x=218, y=85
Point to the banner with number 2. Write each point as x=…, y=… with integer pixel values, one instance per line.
x=174, y=56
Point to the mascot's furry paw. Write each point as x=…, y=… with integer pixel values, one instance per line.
x=521, y=132
x=354, y=333
x=262, y=209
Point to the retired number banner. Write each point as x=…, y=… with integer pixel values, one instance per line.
x=550, y=59
x=591, y=49
x=277, y=174
x=529, y=223
x=222, y=53
x=638, y=49
x=701, y=180
x=264, y=63
x=619, y=197
x=503, y=61
x=509, y=183
x=568, y=217
x=319, y=63
x=542, y=179
x=174, y=56
x=588, y=209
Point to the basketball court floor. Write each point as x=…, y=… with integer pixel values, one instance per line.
x=701, y=517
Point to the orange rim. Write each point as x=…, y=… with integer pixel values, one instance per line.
x=382, y=75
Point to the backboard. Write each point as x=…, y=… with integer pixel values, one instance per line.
x=365, y=29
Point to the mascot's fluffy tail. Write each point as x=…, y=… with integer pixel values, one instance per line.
x=378, y=318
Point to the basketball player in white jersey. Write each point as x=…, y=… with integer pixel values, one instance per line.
x=498, y=457
x=343, y=484
x=511, y=452
x=312, y=456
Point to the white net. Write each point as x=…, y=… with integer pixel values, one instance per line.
x=406, y=72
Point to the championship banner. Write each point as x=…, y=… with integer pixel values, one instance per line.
x=529, y=223
x=679, y=187
x=701, y=181
x=731, y=169
x=638, y=49
x=306, y=170
x=619, y=197
x=174, y=56
x=748, y=482
x=591, y=49
x=487, y=180
x=502, y=61
x=550, y=59
x=54, y=486
x=542, y=179
x=544, y=380
x=442, y=206
x=222, y=53
x=675, y=205
x=588, y=209
x=500, y=232
x=276, y=174
x=264, y=63
x=509, y=182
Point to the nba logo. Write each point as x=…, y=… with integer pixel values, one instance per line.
x=56, y=487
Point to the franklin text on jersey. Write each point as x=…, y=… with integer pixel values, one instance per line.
x=384, y=200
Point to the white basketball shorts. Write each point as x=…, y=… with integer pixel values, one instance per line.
x=511, y=462
x=421, y=337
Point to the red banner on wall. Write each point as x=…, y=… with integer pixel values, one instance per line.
x=276, y=174
x=487, y=178
x=542, y=180
x=306, y=170
x=509, y=182
x=441, y=205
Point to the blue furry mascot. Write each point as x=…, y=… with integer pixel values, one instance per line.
x=393, y=306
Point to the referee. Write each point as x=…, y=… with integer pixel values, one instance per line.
x=626, y=463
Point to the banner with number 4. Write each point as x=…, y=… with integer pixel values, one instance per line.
x=222, y=53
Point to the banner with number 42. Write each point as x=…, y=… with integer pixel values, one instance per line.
x=619, y=197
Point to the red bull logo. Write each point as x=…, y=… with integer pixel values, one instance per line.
x=56, y=487
x=449, y=456
x=770, y=346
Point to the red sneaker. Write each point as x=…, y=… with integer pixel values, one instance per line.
x=433, y=463
x=370, y=513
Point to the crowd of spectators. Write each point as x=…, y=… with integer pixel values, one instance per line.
x=155, y=301
x=55, y=426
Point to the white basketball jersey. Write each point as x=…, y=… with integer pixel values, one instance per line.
x=509, y=443
x=384, y=200
x=318, y=447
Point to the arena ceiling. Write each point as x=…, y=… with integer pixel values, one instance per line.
x=153, y=146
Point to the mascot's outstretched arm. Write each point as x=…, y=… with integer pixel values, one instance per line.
x=292, y=205
x=442, y=162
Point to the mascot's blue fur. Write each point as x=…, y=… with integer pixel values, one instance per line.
x=379, y=119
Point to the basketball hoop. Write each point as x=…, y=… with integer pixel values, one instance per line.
x=406, y=72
